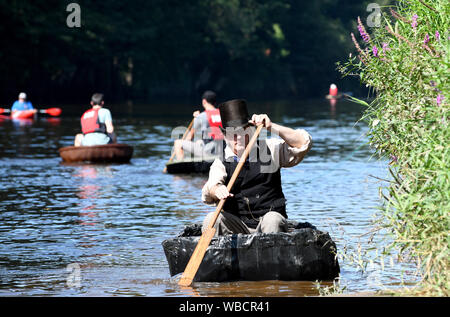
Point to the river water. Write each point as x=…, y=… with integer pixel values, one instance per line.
x=96, y=230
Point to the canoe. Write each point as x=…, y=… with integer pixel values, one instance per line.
x=190, y=165
x=109, y=153
x=22, y=114
x=302, y=254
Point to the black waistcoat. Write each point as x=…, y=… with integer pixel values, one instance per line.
x=255, y=193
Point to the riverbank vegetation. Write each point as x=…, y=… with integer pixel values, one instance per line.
x=405, y=63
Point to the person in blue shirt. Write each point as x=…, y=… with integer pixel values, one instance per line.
x=22, y=103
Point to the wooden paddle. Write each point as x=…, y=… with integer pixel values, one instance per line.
x=51, y=111
x=184, y=136
x=207, y=235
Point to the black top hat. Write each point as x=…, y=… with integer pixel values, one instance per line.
x=234, y=113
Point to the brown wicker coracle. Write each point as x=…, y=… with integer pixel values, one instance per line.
x=109, y=153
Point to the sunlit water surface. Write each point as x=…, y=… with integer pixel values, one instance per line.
x=107, y=222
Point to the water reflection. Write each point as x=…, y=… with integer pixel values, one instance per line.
x=20, y=123
x=253, y=289
x=333, y=102
x=88, y=194
x=53, y=121
x=3, y=119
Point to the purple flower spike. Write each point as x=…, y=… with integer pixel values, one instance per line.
x=414, y=21
x=439, y=99
x=394, y=158
x=385, y=47
x=362, y=31
x=375, y=51
x=364, y=35
x=426, y=39
x=437, y=35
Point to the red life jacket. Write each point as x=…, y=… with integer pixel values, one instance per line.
x=90, y=122
x=215, y=123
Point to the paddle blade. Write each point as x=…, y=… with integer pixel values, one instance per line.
x=196, y=258
x=52, y=111
x=3, y=110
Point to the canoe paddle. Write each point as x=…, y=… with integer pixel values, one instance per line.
x=51, y=111
x=207, y=235
x=184, y=136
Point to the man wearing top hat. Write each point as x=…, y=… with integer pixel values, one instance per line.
x=256, y=202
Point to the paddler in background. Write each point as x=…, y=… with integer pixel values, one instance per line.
x=256, y=202
x=205, y=138
x=22, y=104
x=333, y=91
x=96, y=125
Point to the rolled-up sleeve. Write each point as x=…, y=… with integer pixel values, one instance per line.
x=217, y=175
x=290, y=156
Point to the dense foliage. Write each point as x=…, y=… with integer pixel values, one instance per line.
x=172, y=48
x=406, y=63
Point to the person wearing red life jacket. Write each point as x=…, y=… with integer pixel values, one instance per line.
x=96, y=125
x=205, y=138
